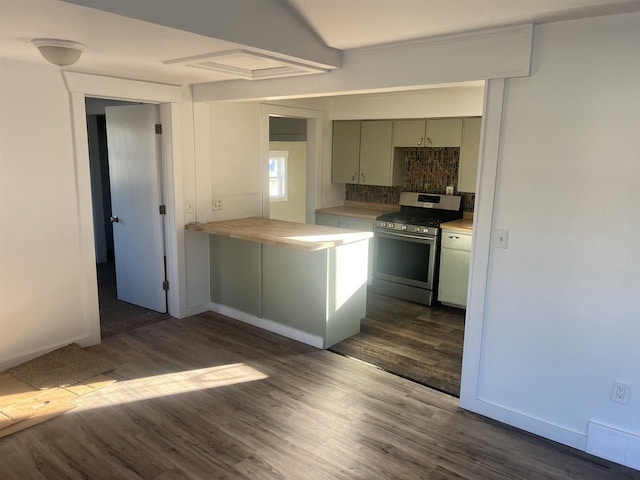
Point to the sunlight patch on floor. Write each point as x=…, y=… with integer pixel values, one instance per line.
x=168, y=384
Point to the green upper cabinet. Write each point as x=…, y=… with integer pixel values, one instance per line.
x=409, y=133
x=438, y=132
x=377, y=166
x=443, y=132
x=372, y=152
x=362, y=153
x=345, y=166
x=469, y=152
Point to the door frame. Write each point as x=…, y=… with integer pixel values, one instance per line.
x=168, y=97
x=315, y=119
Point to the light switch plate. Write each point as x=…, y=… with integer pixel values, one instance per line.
x=501, y=237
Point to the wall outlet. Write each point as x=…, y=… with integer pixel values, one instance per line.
x=217, y=204
x=620, y=392
x=449, y=190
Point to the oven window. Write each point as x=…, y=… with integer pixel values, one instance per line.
x=403, y=258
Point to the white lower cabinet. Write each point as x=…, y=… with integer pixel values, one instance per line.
x=454, y=268
x=351, y=223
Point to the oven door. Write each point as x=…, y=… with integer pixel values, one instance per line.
x=405, y=259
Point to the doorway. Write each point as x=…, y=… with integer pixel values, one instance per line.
x=120, y=306
x=287, y=169
x=314, y=120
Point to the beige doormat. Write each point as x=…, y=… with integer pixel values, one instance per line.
x=62, y=367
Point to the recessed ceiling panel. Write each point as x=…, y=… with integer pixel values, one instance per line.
x=247, y=64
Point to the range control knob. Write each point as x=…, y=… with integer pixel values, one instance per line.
x=390, y=225
x=403, y=227
x=416, y=229
x=383, y=224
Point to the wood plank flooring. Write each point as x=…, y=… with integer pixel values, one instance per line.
x=423, y=344
x=210, y=398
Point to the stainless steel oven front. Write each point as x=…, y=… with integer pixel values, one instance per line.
x=405, y=265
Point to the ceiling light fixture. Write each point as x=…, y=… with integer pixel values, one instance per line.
x=59, y=52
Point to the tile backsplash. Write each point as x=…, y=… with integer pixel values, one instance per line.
x=426, y=170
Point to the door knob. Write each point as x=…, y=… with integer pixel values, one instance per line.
x=114, y=219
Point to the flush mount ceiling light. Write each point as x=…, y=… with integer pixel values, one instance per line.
x=59, y=52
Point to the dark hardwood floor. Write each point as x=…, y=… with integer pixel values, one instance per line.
x=207, y=397
x=421, y=343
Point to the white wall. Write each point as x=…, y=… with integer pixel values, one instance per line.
x=463, y=101
x=41, y=304
x=236, y=166
x=561, y=320
x=238, y=171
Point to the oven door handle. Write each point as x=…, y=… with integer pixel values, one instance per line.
x=404, y=235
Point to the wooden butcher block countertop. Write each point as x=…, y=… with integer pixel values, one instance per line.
x=463, y=225
x=364, y=210
x=299, y=236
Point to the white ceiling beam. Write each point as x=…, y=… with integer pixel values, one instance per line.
x=496, y=53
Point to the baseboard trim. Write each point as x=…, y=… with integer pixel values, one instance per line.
x=270, y=325
x=84, y=341
x=196, y=309
x=527, y=423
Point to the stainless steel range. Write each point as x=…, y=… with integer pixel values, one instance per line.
x=407, y=246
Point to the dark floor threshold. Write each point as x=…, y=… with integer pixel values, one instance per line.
x=394, y=373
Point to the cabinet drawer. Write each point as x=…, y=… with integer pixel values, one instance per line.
x=456, y=240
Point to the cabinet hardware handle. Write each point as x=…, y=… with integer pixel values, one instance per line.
x=362, y=175
x=420, y=141
x=353, y=177
x=429, y=141
x=453, y=237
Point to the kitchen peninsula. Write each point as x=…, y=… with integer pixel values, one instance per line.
x=303, y=281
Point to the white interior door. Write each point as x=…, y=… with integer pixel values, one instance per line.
x=134, y=171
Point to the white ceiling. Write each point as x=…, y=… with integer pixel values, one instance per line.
x=118, y=45
x=348, y=24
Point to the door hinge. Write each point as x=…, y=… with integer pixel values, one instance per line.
x=165, y=285
x=158, y=129
x=163, y=210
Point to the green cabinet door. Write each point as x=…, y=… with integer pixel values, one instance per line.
x=408, y=133
x=454, y=268
x=345, y=157
x=444, y=132
x=376, y=154
x=469, y=152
